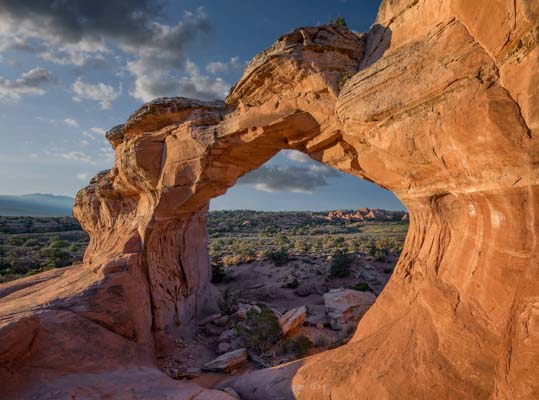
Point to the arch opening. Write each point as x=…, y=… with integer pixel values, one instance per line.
x=293, y=276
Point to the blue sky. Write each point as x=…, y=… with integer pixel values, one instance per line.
x=71, y=69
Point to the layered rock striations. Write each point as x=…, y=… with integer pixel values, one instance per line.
x=441, y=107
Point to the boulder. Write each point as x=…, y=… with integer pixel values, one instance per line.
x=223, y=348
x=227, y=362
x=292, y=320
x=346, y=306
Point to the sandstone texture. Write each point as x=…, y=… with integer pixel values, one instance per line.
x=441, y=108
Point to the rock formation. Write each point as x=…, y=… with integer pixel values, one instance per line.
x=441, y=107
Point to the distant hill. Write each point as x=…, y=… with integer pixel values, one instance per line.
x=36, y=205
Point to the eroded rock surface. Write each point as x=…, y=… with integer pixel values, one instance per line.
x=442, y=109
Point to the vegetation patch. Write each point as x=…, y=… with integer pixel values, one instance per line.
x=260, y=330
x=340, y=265
x=299, y=346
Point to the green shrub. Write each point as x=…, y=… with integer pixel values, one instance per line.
x=321, y=341
x=339, y=242
x=32, y=243
x=362, y=287
x=58, y=244
x=279, y=257
x=299, y=346
x=380, y=255
x=339, y=21
x=217, y=272
x=227, y=302
x=260, y=330
x=292, y=284
x=340, y=265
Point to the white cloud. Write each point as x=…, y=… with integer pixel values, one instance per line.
x=217, y=67
x=151, y=83
x=78, y=156
x=82, y=176
x=104, y=94
x=70, y=122
x=99, y=131
x=297, y=156
x=30, y=82
x=106, y=153
x=88, y=135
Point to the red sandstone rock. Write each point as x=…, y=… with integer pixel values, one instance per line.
x=292, y=320
x=443, y=110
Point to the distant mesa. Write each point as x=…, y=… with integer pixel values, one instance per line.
x=36, y=205
x=365, y=214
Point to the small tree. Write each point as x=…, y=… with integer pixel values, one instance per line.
x=260, y=330
x=339, y=21
x=217, y=271
x=340, y=265
x=279, y=257
x=299, y=346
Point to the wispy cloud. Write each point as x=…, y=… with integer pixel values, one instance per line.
x=99, y=131
x=102, y=93
x=70, y=122
x=78, y=156
x=218, y=67
x=297, y=156
x=30, y=82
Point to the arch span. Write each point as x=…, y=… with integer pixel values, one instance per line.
x=431, y=104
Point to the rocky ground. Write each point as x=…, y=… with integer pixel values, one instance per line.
x=314, y=311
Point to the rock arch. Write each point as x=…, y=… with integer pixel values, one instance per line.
x=437, y=103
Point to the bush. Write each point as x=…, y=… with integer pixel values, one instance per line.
x=292, y=284
x=260, y=330
x=339, y=242
x=237, y=259
x=339, y=21
x=32, y=243
x=362, y=287
x=299, y=346
x=217, y=272
x=340, y=265
x=279, y=257
x=380, y=255
x=228, y=302
x=58, y=244
x=388, y=270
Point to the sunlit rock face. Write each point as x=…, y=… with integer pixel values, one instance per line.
x=438, y=103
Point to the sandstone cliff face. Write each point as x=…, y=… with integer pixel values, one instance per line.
x=442, y=109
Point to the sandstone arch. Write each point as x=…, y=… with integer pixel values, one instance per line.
x=442, y=109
